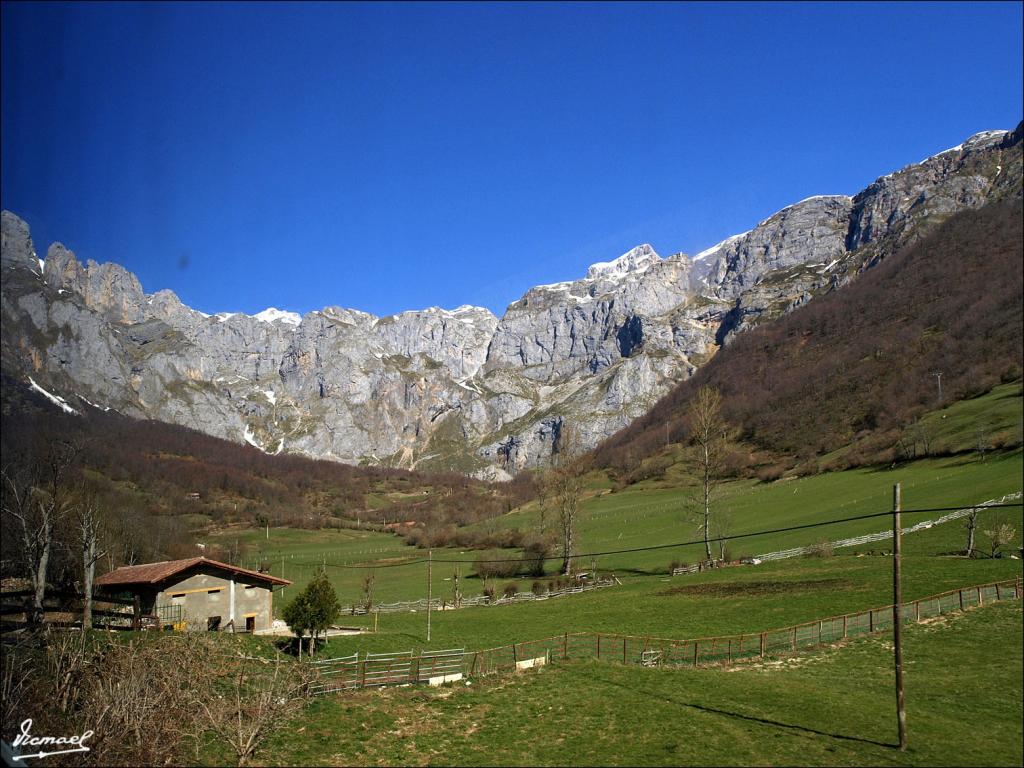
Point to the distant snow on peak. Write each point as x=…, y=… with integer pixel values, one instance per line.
x=273, y=314
x=708, y=252
x=819, y=197
x=463, y=308
x=976, y=138
x=636, y=260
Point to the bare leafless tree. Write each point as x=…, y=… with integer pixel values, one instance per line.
x=566, y=483
x=972, y=526
x=721, y=527
x=36, y=497
x=367, y=596
x=999, y=535
x=86, y=511
x=258, y=697
x=709, y=441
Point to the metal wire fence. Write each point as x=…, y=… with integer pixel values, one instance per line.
x=371, y=670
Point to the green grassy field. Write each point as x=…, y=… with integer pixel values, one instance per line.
x=647, y=515
x=653, y=513
x=833, y=706
x=825, y=707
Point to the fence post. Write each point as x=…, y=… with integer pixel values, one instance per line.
x=599, y=645
x=472, y=669
x=730, y=650
x=362, y=676
x=917, y=610
x=981, y=598
x=998, y=596
x=960, y=593
x=794, y=638
x=844, y=627
x=763, y=643
x=819, y=633
x=565, y=645
x=515, y=656
x=624, y=650
x=695, y=652
x=871, y=620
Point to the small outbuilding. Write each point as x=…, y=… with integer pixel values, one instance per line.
x=197, y=593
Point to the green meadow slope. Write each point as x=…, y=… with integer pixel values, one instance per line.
x=833, y=706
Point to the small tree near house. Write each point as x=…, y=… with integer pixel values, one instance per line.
x=313, y=610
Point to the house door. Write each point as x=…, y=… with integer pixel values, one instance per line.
x=250, y=623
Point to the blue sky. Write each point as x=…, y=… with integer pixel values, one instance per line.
x=389, y=157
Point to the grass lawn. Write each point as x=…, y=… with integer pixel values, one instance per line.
x=833, y=706
x=646, y=515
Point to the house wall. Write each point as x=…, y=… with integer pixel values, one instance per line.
x=206, y=594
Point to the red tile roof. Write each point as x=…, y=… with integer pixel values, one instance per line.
x=153, y=573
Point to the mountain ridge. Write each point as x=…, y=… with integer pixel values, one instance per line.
x=463, y=389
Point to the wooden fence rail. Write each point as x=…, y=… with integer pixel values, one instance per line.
x=398, y=668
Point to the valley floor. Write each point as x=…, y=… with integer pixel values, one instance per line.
x=834, y=706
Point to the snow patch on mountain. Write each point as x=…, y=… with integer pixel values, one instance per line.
x=57, y=400
x=273, y=315
x=635, y=261
x=709, y=252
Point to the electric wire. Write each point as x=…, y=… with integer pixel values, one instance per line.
x=804, y=526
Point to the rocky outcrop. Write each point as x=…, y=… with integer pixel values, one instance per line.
x=16, y=248
x=462, y=389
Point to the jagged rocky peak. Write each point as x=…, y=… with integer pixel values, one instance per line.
x=812, y=231
x=459, y=388
x=16, y=248
x=636, y=260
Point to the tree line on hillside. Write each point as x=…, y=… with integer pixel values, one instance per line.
x=163, y=471
x=859, y=365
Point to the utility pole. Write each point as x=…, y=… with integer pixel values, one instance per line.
x=938, y=376
x=430, y=570
x=897, y=616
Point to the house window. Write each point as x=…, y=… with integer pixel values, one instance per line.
x=213, y=623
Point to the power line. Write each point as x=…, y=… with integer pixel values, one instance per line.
x=693, y=542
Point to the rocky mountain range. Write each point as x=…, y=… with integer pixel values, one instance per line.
x=462, y=389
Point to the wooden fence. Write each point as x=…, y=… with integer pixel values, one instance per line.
x=350, y=672
x=62, y=608
x=381, y=669
x=654, y=651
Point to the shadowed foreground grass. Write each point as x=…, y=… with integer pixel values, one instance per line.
x=834, y=706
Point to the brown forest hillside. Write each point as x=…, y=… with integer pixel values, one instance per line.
x=858, y=363
x=157, y=481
